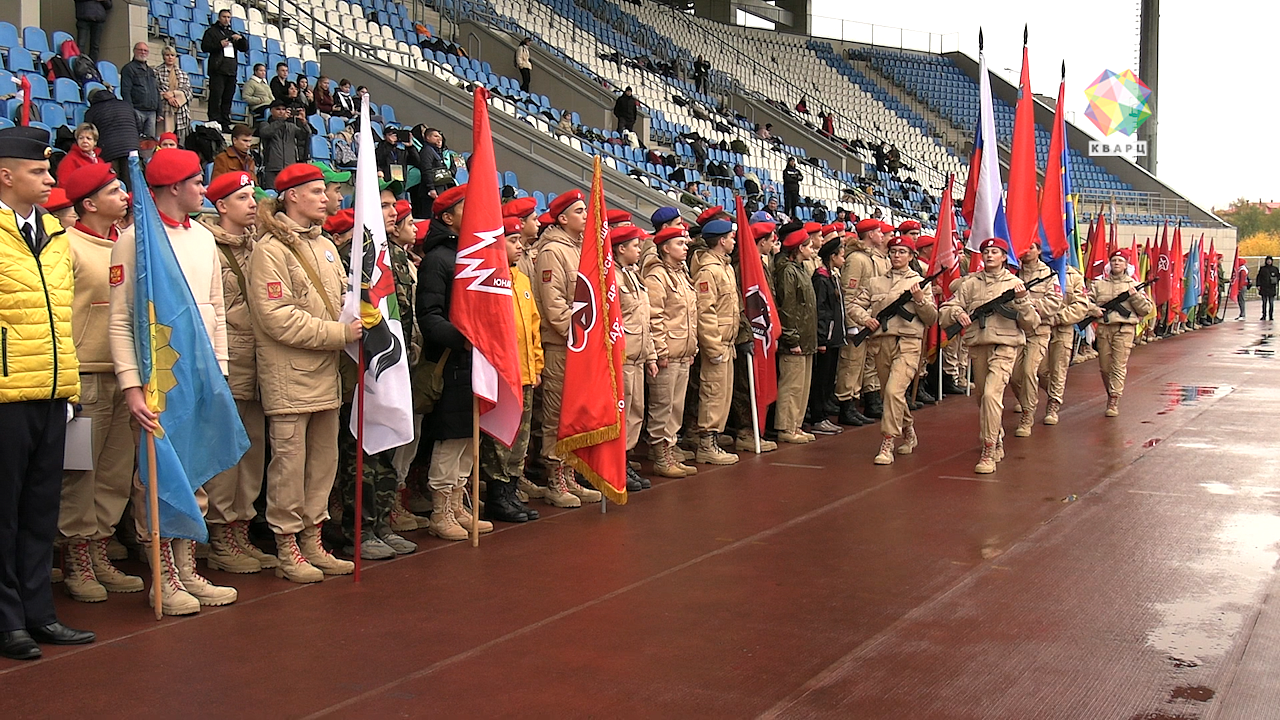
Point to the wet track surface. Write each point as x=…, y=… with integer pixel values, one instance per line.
x=1111, y=568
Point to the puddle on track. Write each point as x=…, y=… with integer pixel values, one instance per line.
x=1177, y=395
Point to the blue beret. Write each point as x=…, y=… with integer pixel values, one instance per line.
x=663, y=215
x=717, y=227
x=761, y=216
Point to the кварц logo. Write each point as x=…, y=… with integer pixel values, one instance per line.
x=1118, y=104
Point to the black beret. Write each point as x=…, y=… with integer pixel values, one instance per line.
x=25, y=143
x=829, y=248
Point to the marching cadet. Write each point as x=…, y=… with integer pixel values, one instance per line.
x=831, y=336
x=1115, y=331
x=1075, y=308
x=993, y=340
x=1046, y=298
x=641, y=359
x=233, y=492
x=673, y=319
x=559, y=251
x=864, y=258
x=296, y=284
x=718, y=315
x=176, y=181
x=799, y=341
x=895, y=346
x=502, y=468
x=40, y=379
x=93, y=501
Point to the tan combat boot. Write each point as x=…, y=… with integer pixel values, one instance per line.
x=323, y=560
x=110, y=577
x=174, y=598
x=586, y=495
x=402, y=520
x=293, y=565
x=463, y=515
x=885, y=456
x=909, y=440
x=1051, y=412
x=415, y=502
x=710, y=452
x=1113, y=406
x=746, y=442
x=666, y=464
x=987, y=463
x=794, y=437
x=184, y=556
x=557, y=491
x=1024, y=424
x=81, y=583
x=443, y=524
x=998, y=453
x=529, y=489
x=240, y=531
x=225, y=553
x=116, y=551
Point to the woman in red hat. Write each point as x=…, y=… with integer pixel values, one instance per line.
x=673, y=317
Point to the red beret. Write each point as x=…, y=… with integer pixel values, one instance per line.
x=909, y=225
x=626, y=233
x=666, y=234
x=545, y=220
x=563, y=201
x=86, y=180
x=449, y=198
x=616, y=217
x=866, y=226
x=520, y=208
x=227, y=183
x=833, y=227
x=925, y=241
x=403, y=209
x=167, y=136
x=707, y=214
x=995, y=243
x=297, y=174
x=420, y=228
x=171, y=166
x=812, y=227
x=340, y=222
x=1119, y=252
x=511, y=225
x=58, y=199
x=795, y=239
x=761, y=230
x=886, y=227
x=903, y=241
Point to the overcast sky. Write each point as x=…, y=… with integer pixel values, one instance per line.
x=1214, y=99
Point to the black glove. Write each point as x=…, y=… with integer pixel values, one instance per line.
x=746, y=348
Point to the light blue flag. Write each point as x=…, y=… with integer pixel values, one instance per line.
x=1191, y=279
x=201, y=434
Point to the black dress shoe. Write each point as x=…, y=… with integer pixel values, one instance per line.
x=55, y=633
x=18, y=645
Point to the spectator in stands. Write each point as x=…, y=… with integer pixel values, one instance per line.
x=140, y=89
x=523, y=64
x=436, y=176
x=298, y=112
x=168, y=141
x=828, y=124
x=257, y=93
x=222, y=43
x=305, y=94
x=390, y=157
x=83, y=152
x=118, y=128
x=280, y=84
x=771, y=207
x=701, y=70
x=323, y=102
x=362, y=96
x=236, y=158
x=761, y=132
x=791, y=179
x=803, y=106
x=343, y=104
x=91, y=15
x=280, y=137
x=175, y=91
x=625, y=109
x=565, y=126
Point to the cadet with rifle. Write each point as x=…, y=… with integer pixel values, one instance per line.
x=1121, y=306
x=1047, y=300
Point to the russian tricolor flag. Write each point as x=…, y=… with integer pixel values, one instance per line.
x=983, y=206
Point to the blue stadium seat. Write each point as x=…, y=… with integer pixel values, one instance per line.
x=60, y=37
x=388, y=113
x=34, y=39
x=66, y=90
x=311, y=68
x=39, y=87
x=320, y=149
x=53, y=114
x=336, y=124
x=509, y=178
x=317, y=124
x=9, y=36
x=5, y=123
x=20, y=61
x=295, y=67
x=110, y=74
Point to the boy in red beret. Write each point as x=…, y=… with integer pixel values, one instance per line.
x=640, y=359
x=797, y=311
x=865, y=258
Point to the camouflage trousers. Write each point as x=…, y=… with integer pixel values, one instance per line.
x=380, y=480
x=507, y=464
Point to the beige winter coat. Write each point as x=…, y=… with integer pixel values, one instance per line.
x=976, y=289
x=635, y=317
x=1138, y=303
x=718, y=305
x=555, y=275
x=673, y=316
x=879, y=292
x=242, y=361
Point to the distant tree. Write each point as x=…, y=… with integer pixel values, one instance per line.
x=1261, y=244
x=1250, y=219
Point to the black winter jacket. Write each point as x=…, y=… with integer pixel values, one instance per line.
x=139, y=86
x=826, y=290
x=92, y=10
x=117, y=124
x=791, y=179
x=451, y=416
x=1267, y=281
x=211, y=43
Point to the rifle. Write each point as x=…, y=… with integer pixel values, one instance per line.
x=996, y=306
x=897, y=308
x=1114, y=305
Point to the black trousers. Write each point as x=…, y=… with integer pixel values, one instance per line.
x=791, y=200
x=88, y=37
x=823, y=387
x=524, y=79
x=222, y=89
x=30, y=483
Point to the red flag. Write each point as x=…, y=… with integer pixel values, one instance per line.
x=944, y=248
x=592, y=437
x=1021, y=211
x=1237, y=277
x=1099, y=250
x=1053, y=207
x=1163, y=267
x=25, y=85
x=762, y=315
x=1088, y=250
x=482, y=307
x=1176, y=273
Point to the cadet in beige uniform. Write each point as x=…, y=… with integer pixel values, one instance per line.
x=1053, y=371
x=93, y=501
x=554, y=278
x=673, y=318
x=895, y=346
x=296, y=284
x=1115, y=331
x=863, y=259
x=641, y=357
x=718, y=311
x=993, y=341
x=1046, y=298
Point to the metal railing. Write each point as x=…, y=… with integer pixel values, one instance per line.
x=883, y=35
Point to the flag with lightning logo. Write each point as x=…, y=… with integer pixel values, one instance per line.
x=762, y=316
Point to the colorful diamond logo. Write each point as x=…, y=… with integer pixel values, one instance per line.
x=1118, y=103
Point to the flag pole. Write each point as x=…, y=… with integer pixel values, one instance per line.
x=359, y=508
x=475, y=471
x=755, y=411
x=153, y=516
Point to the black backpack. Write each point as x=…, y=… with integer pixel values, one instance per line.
x=205, y=142
x=57, y=67
x=85, y=71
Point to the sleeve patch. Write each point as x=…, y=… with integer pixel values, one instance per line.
x=853, y=283
x=704, y=287
x=546, y=276
x=275, y=291
x=117, y=275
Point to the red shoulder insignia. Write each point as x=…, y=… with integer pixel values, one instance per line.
x=275, y=291
x=546, y=276
x=704, y=287
x=116, y=277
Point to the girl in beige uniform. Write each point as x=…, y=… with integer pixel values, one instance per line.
x=641, y=359
x=1115, y=331
x=673, y=318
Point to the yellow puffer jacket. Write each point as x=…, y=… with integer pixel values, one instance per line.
x=37, y=353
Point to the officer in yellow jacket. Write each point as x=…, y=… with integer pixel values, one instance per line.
x=38, y=376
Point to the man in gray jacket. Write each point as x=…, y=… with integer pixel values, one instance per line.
x=281, y=136
x=140, y=88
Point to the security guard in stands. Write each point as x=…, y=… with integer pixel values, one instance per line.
x=38, y=376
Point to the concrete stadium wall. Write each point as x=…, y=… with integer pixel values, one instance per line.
x=126, y=23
